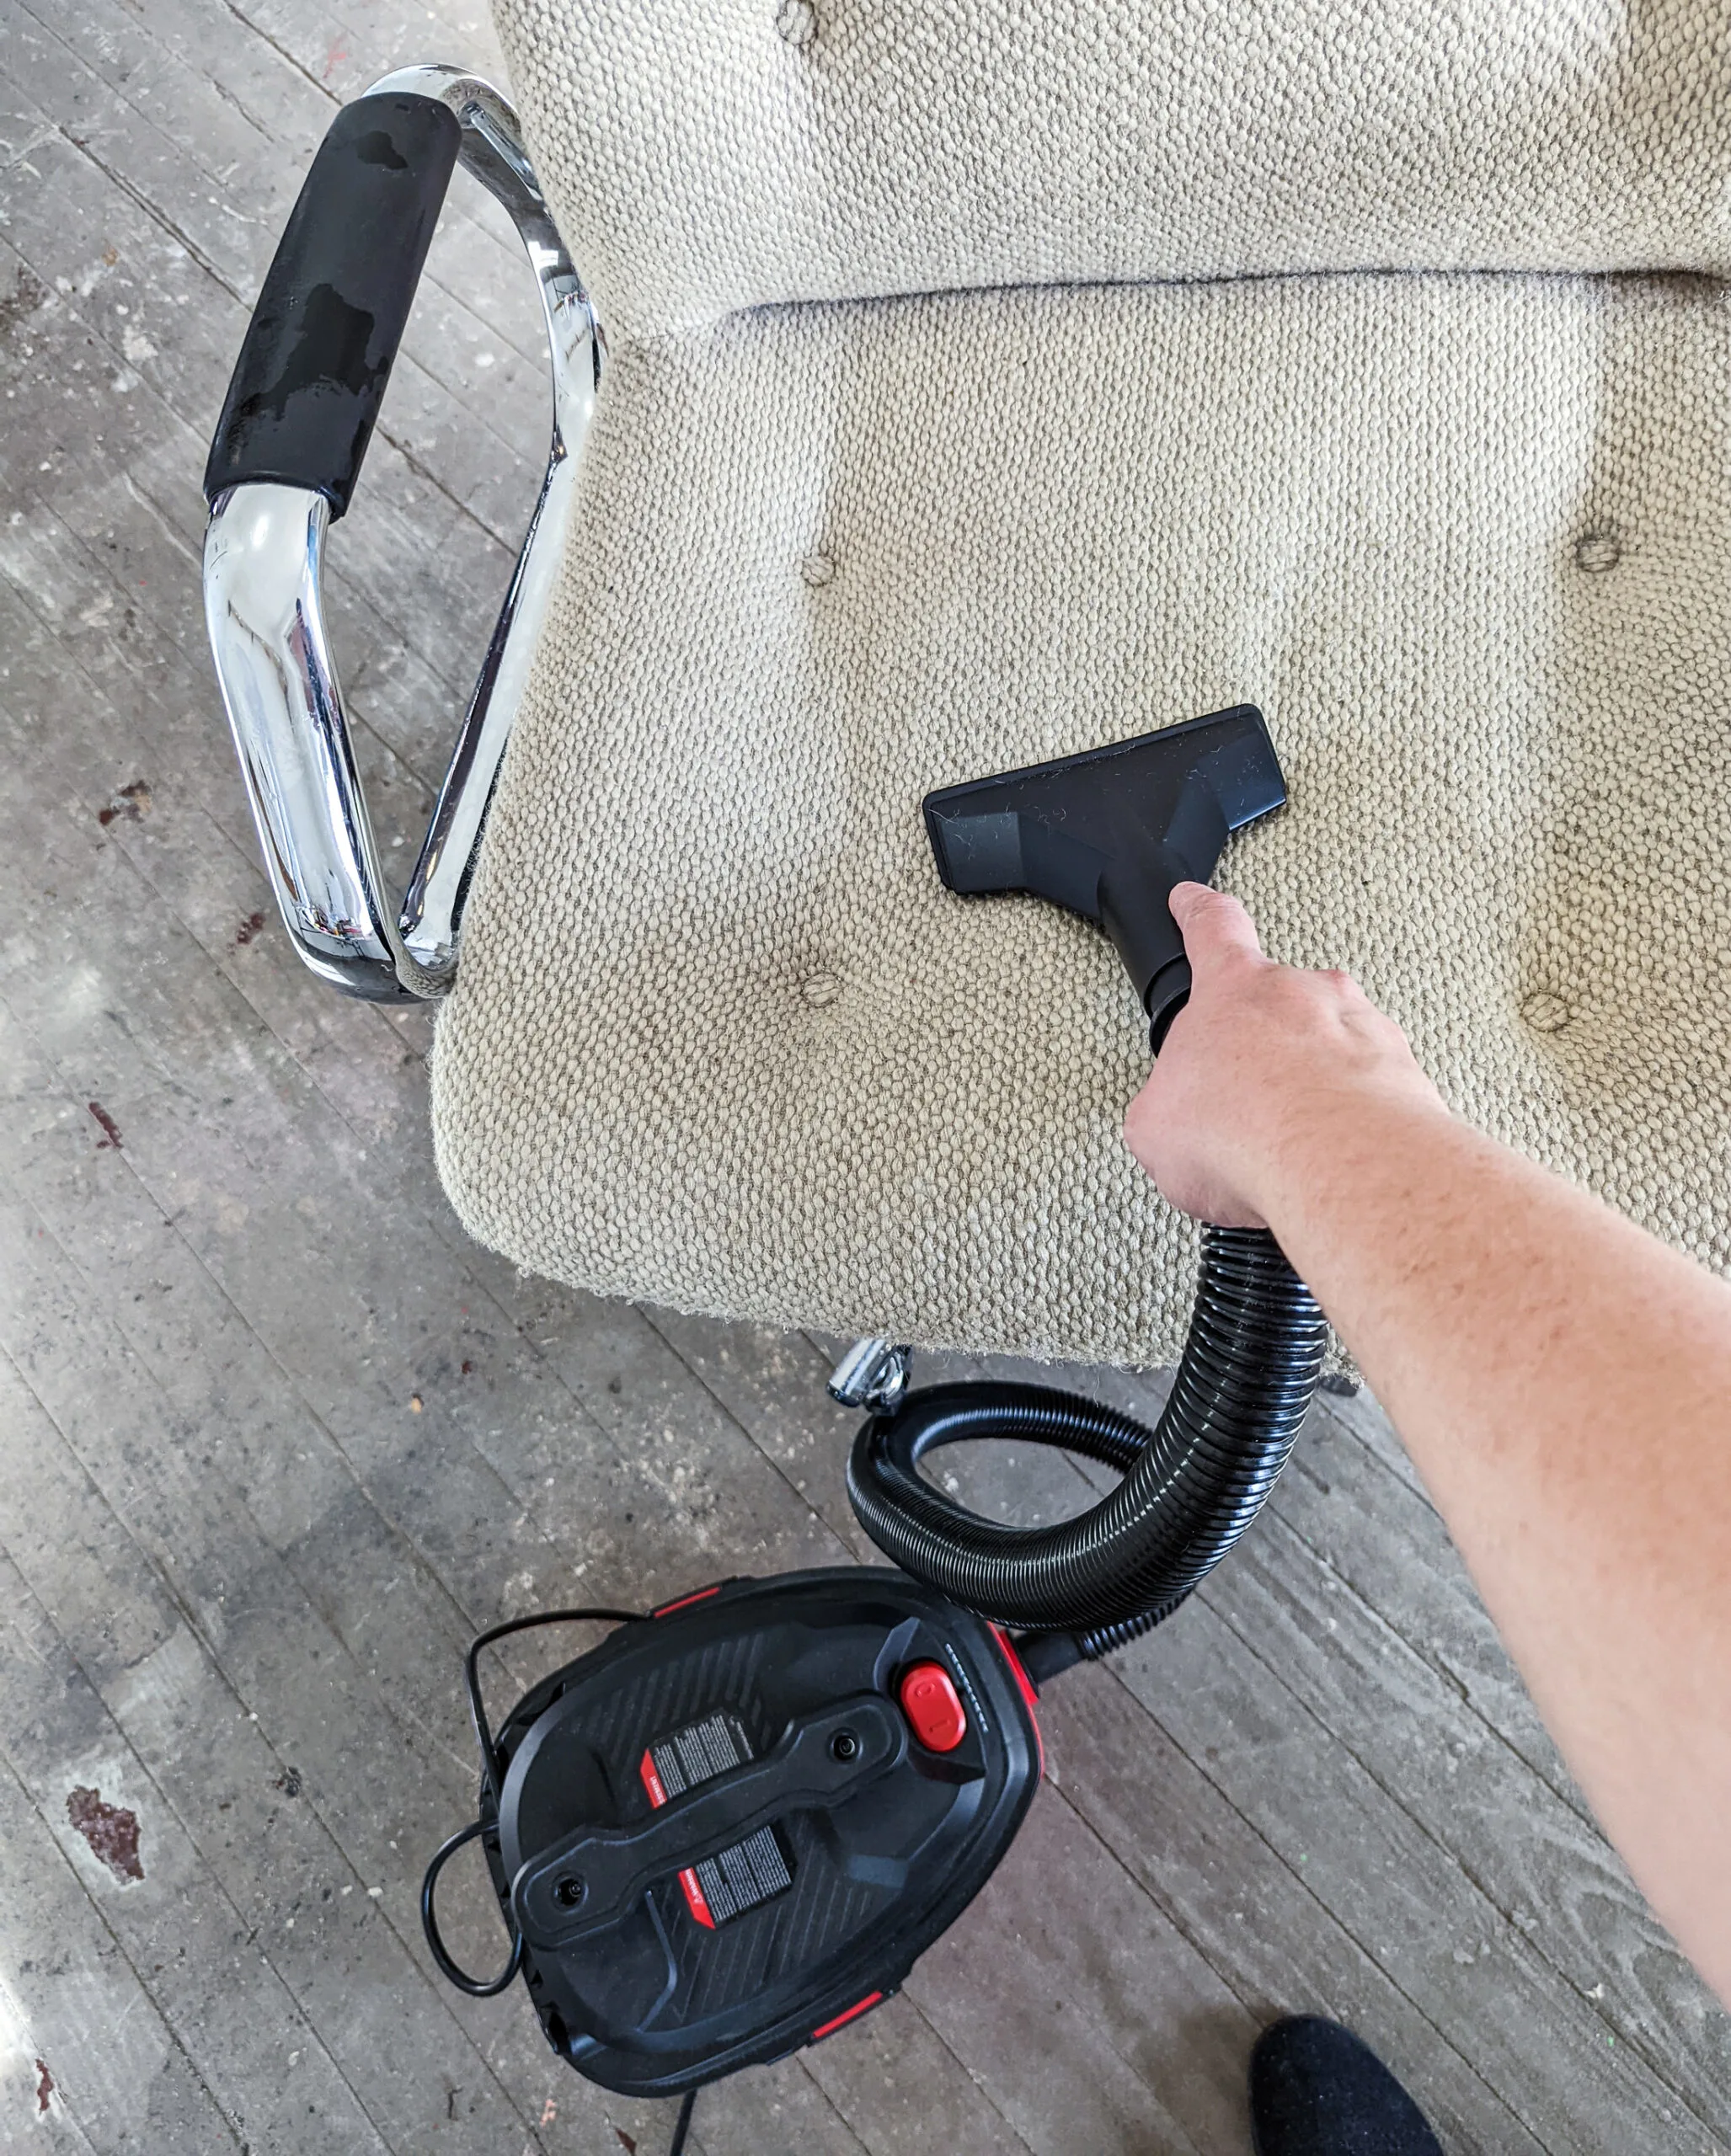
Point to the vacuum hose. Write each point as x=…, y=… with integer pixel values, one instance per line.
x=1191, y=1486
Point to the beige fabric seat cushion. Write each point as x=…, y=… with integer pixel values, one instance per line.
x=720, y=1040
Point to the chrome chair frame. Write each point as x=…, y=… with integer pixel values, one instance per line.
x=263, y=562
x=263, y=605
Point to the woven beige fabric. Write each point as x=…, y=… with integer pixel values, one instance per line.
x=708, y=155
x=720, y=1040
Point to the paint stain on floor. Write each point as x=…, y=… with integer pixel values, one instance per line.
x=111, y=1831
x=44, y=2086
x=132, y=801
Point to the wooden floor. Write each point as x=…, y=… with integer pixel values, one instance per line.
x=276, y=1439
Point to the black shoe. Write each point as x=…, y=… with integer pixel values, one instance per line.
x=1315, y=2091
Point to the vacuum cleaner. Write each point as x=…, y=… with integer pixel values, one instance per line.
x=731, y=1828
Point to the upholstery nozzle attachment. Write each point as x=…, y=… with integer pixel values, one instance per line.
x=1108, y=833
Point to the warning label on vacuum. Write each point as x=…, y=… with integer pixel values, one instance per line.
x=734, y=1879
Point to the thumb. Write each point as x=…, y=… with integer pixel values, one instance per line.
x=1214, y=927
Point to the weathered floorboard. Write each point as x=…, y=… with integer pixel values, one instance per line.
x=138, y=2090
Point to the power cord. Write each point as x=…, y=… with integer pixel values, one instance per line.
x=493, y=1771
x=493, y=1776
x=683, y=2125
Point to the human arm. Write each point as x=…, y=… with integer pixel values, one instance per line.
x=1561, y=1379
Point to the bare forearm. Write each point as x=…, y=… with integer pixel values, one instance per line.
x=1563, y=1384
x=1426, y=1238
x=1562, y=1381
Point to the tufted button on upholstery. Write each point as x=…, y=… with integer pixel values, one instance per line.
x=796, y=20
x=1545, y=1013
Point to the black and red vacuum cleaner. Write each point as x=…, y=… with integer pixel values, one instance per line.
x=731, y=1828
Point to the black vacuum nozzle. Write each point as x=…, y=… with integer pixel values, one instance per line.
x=1108, y=833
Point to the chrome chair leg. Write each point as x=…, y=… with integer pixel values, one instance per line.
x=873, y=1374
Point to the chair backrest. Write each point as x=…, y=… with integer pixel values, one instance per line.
x=704, y=156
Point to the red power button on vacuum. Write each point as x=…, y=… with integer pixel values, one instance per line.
x=930, y=1704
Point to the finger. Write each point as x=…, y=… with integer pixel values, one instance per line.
x=1213, y=925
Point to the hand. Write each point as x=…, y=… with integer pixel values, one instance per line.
x=1258, y=1058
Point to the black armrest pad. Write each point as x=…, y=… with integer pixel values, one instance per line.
x=312, y=372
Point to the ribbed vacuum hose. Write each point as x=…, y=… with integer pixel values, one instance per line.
x=1191, y=1486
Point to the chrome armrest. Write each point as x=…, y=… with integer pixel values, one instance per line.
x=263, y=554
